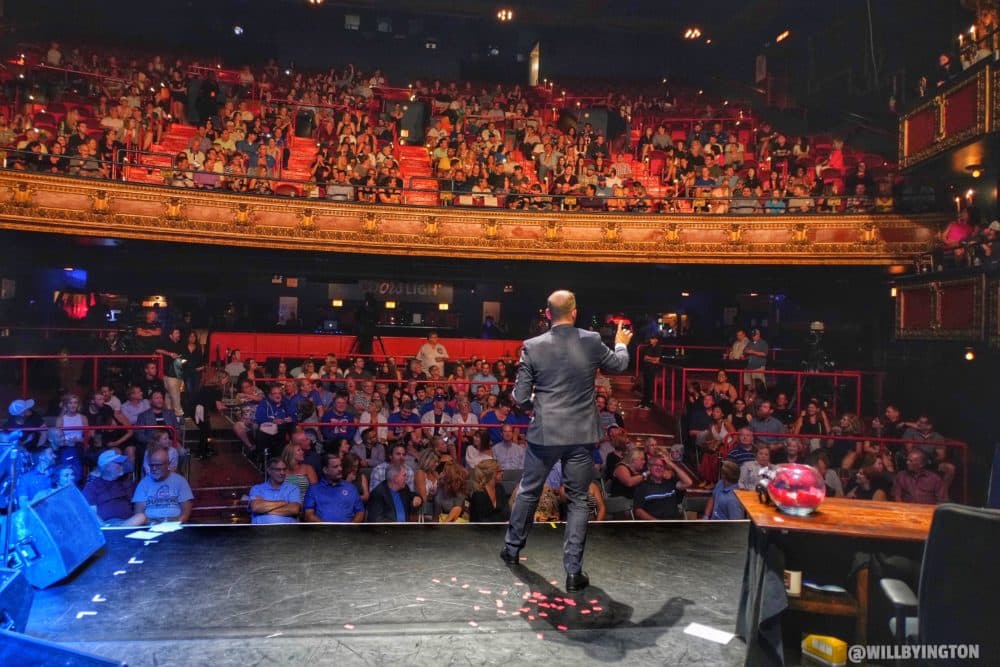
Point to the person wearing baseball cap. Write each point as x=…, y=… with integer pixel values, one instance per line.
x=109, y=491
x=437, y=418
x=22, y=417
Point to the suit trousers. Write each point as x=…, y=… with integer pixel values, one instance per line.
x=578, y=472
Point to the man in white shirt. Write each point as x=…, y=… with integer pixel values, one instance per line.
x=432, y=353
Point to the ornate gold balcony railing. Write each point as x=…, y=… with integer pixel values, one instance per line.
x=63, y=205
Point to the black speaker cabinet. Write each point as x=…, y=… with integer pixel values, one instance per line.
x=18, y=650
x=54, y=535
x=16, y=595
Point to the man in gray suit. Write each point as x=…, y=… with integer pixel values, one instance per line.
x=556, y=373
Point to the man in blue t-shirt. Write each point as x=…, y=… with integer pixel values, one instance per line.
x=500, y=416
x=162, y=495
x=275, y=501
x=402, y=421
x=338, y=414
x=724, y=505
x=333, y=499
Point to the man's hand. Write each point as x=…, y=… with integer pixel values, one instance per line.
x=417, y=501
x=623, y=335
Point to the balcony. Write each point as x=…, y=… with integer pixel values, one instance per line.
x=87, y=207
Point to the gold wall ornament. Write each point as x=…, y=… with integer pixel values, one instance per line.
x=869, y=233
x=491, y=229
x=432, y=226
x=242, y=215
x=22, y=194
x=800, y=233
x=370, y=223
x=671, y=233
x=552, y=231
x=734, y=234
x=307, y=219
x=611, y=232
x=101, y=202
x=173, y=209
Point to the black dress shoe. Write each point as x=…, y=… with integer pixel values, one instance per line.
x=508, y=557
x=576, y=582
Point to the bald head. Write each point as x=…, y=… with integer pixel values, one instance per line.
x=562, y=306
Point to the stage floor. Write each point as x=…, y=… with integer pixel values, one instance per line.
x=401, y=594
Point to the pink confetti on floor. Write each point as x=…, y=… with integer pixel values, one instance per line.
x=594, y=601
x=475, y=608
x=501, y=612
x=560, y=607
x=436, y=581
x=519, y=583
x=596, y=608
x=531, y=618
x=454, y=578
x=571, y=603
x=584, y=611
x=525, y=609
x=473, y=624
x=483, y=591
x=540, y=635
x=421, y=600
x=499, y=603
x=524, y=558
x=554, y=582
x=542, y=614
x=515, y=613
x=464, y=586
x=562, y=628
x=348, y=626
x=504, y=593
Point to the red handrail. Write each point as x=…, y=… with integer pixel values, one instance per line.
x=25, y=358
x=682, y=348
x=121, y=427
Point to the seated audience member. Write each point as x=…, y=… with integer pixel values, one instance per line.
x=275, y=419
x=870, y=484
x=392, y=500
x=247, y=400
x=109, y=491
x=397, y=456
x=922, y=431
x=723, y=505
x=351, y=470
x=450, y=501
x=478, y=450
x=489, y=502
x=743, y=452
x=337, y=414
x=764, y=421
x=501, y=415
x=275, y=501
x=370, y=450
x=750, y=470
x=700, y=421
x=333, y=499
x=156, y=415
x=38, y=481
x=437, y=418
x=628, y=474
x=660, y=496
x=162, y=495
x=834, y=487
x=404, y=421
x=165, y=440
x=614, y=448
x=793, y=451
x=21, y=415
x=917, y=484
x=425, y=481
x=299, y=473
x=508, y=453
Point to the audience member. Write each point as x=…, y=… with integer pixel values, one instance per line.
x=917, y=484
x=109, y=491
x=660, y=495
x=275, y=501
x=723, y=504
x=162, y=495
x=333, y=499
x=489, y=502
x=392, y=499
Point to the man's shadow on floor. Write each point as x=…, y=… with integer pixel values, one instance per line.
x=600, y=630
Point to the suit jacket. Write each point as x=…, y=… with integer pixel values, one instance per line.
x=147, y=418
x=381, y=509
x=559, y=366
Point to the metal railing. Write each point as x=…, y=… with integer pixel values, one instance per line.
x=78, y=361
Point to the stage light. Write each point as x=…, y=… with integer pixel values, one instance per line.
x=442, y=306
x=505, y=15
x=337, y=303
x=970, y=354
x=685, y=294
x=237, y=30
x=67, y=269
x=893, y=292
x=975, y=169
x=782, y=37
x=693, y=32
x=315, y=2
x=390, y=305
x=708, y=41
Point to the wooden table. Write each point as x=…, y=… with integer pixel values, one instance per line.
x=846, y=517
x=837, y=517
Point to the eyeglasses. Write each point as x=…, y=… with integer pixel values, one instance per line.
x=657, y=466
x=157, y=465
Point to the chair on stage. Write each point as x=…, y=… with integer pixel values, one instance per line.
x=958, y=584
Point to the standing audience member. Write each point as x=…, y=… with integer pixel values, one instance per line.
x=723, y=505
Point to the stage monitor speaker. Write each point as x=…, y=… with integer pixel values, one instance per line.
x=54, y=535
x=16, y=595
x=17, y=650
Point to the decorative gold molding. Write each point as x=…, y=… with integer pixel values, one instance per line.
x=50, y=204
x=985, y=82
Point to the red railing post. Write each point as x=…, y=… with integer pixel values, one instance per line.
x=798, y=391
x=95, y=374
x=24, y=378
